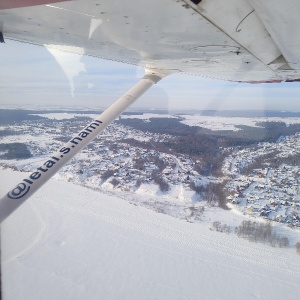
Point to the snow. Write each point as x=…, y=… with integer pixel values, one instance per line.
x=215, y=122
x=147, y=116
x=70, y=242
x=230, y=123
x=65, y=116
x=24, y=138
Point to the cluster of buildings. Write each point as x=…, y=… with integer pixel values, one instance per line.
x=272, y=191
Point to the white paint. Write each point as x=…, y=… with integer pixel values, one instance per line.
x=95, y=23
x=156, y=34
x=239, y=20
x=281, y=18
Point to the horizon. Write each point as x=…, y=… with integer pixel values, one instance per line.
x=135, y=109
x=35, y=76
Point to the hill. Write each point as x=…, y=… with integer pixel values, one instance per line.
x=70, y=242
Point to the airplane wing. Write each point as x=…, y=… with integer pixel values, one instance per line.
x=236, y=40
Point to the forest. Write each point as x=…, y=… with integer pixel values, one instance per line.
x=206, y=148
x=205, y=145
x=14, y=151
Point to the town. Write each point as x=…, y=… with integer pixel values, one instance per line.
x=273, y=191
x=261, y=180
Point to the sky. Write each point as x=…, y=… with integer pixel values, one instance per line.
x=34, y=76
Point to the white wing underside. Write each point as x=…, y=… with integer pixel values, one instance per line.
x=237, y=40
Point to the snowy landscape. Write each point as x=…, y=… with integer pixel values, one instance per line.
x=125, y=160
x=136, y=216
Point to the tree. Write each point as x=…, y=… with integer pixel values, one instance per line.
x=107, y=174
x=283, y=242
x=115, y=182
x=163, y=185
x=138, y=183
x=217, y=225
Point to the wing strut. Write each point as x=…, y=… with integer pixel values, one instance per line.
x=22, y=191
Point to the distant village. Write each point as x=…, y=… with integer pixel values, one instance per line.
x=271, y=191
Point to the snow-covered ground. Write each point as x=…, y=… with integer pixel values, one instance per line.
x=231, y=123
x=70, y=242
x=134, y=166
x=65, y=116
x=215, y=122
x=147, y=116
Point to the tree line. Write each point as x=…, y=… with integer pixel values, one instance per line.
x=14, y=151
x=256, y=232
x=212, y=193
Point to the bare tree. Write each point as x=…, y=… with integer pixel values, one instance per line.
x=115, y=182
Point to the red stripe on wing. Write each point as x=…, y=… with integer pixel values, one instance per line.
x=4, y=4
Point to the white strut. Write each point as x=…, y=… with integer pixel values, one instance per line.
x=22, y=191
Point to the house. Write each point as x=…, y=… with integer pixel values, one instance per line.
x=279, y=218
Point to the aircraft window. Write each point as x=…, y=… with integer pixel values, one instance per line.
x=189, y=193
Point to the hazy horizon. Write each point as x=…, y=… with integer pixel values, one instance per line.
x=35, y=76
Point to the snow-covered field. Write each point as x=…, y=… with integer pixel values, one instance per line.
x=65, y=116
x=70, y=242
x=216, y=122
x=230, y=123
